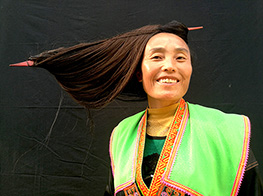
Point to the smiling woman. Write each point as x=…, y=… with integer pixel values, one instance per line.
x=166, y=69
x=173, y=147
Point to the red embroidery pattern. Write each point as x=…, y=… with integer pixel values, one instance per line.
x=140, y=182
x=167, y=181
x=182, y=187
x=177, y=142
x=131, y=191
x=164, y=156
x=167, y=191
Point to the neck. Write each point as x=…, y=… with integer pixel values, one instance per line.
x=159, y=120
x=154, y=104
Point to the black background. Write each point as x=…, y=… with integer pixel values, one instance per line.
x=46, y=143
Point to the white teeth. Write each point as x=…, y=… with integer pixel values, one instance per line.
x=167, y=80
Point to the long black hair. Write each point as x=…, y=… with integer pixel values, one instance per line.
x=96, y=73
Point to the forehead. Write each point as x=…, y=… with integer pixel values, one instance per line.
x=165, y=40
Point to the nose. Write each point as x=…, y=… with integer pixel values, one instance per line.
x=169, y=66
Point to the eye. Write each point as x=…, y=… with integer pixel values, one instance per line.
x=181, y=58
x=156, y=57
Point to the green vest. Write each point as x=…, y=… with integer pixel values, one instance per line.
x=210, y=160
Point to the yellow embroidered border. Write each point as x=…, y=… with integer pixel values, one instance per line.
x=182, y=187
x=173, y=155
x=177, y=144
x=164, y=156
x=166, y=190
x=131, y=190
x=122, y=186
x=244, y=157
x=143, y=188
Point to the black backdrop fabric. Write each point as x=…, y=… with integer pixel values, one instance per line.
x=47, y=146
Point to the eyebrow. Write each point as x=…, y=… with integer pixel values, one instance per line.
x=161, y=49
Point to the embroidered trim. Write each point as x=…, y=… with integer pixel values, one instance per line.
x=131, y=191
x=178, y=142
x=123, y=186
x=164, y=156
x=166, y=177
x=141, y=185
x=171, y=141
x=244, y=157
x=168, y=191
x=110, y=152
x=133, y=171
x=181, y=187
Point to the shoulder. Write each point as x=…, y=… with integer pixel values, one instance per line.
x=206, y=113
x=134, y=119
x=203, y=109
x=127, y=126
x=124, y=134
x=215, y=119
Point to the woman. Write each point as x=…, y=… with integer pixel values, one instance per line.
x=173, y=147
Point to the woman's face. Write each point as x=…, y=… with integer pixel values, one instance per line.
x=166, y=69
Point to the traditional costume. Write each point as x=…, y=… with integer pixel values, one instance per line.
x=205, y=153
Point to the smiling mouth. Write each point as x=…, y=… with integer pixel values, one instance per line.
x=167, y=81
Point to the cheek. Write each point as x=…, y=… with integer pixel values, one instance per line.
x=147, y=78
x=188, y=71
x=147, y=72
x=145, y=68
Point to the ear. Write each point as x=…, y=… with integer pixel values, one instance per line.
x=139, y=76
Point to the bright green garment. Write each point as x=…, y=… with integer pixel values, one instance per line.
x=210, y=160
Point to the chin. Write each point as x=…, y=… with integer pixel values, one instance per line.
x=170, y=99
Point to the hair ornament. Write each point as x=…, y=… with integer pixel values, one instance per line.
x=195, y=28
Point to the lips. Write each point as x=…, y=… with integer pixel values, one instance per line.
x=167, y=80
